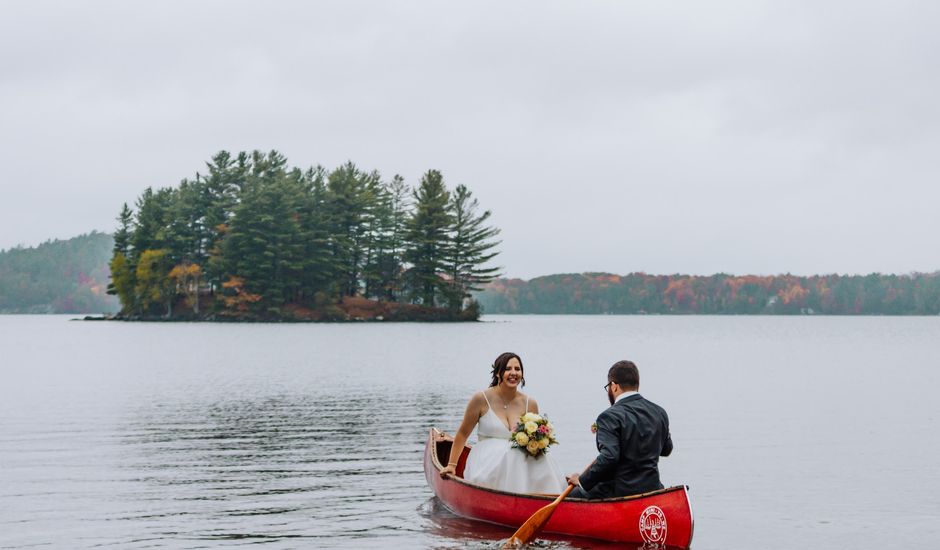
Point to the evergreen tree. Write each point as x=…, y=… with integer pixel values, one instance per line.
x=428, y=238
x=383, y=270
x=122, y=274
x=264, y=246
x=60, y=276
x=271, y=235
x=349, y=197
x=470, y=248
x=187, y=233
x=320, y=268
x=373, y=242
x=122, y=236
x=153, y=219
x=399, y=205
x=227, y=176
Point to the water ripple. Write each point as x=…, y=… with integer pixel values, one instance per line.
x=301, y=436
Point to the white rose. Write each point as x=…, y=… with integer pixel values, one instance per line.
x=531, y=427
x=522, y=439
x=529, y=417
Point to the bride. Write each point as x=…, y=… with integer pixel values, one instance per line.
x=493, y=462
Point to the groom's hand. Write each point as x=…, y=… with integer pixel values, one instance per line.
x=574, y=479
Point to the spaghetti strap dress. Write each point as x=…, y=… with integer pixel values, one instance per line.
x=494, y=463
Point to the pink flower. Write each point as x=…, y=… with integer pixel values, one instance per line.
x=543, y=429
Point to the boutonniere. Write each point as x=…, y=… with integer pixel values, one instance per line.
x=594, y=428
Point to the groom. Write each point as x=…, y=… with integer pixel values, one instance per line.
x=631, y=436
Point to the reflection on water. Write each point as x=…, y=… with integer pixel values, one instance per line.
x=457, y=532
x=325, y=470
x=325, y=467
x=128, y=435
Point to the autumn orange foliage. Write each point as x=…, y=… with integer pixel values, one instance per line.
x=241, y=300
x=716, y=294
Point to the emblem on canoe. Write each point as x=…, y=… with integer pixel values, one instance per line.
x=653, y=525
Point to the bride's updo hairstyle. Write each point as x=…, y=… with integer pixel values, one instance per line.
x=499, y=367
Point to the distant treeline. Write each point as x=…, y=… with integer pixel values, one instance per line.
x=57, y=277
x=252, y=236
x=598, y=293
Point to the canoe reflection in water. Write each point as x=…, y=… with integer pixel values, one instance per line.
x=659, y=519
x=467, y=534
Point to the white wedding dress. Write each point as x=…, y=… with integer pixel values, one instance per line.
x=494, y=463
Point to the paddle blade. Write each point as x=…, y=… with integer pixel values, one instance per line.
x=531, y=528
x=527, y=532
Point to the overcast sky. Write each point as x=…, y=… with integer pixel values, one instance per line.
x=693, y=137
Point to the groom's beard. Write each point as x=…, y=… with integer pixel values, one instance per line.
x=610, y=396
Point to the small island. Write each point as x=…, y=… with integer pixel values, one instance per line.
x=253, y=239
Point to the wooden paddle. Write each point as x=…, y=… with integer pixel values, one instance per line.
x=532, y=526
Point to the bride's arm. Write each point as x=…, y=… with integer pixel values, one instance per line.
x=470, y=418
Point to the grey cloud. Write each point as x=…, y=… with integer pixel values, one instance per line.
x=751, y=137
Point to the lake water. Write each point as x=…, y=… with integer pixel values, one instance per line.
x=792, y=432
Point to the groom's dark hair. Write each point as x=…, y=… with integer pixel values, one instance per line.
x=624, y=374
x=499, y=367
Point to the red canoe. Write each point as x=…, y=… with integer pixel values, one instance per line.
x=661, y=517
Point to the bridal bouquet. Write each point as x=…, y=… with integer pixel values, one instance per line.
x=533, y=434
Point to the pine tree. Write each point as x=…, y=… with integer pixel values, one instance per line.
x=383, y=271
x=272, y=235
x=400, y=205
x=122, y=271
x=320, y=269
x=470, y=248
x=153, y=219
x=349, y=198
x=187, y=232
x=428, y=238
x=122, y=236
x=264, y=246
x=226, y=178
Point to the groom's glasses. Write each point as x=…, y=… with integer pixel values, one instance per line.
x=607, y=387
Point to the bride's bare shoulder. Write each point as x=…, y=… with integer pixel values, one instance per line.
x=533, y=404
x=478, y=399
x=478, y=404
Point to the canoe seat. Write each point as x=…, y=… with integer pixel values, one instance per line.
x=443, y=453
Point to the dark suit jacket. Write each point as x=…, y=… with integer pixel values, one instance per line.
x=631, y=436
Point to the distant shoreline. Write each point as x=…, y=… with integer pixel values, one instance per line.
x=72, y=278
x=720, y=294
x=483, y=318
x=351, y=309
